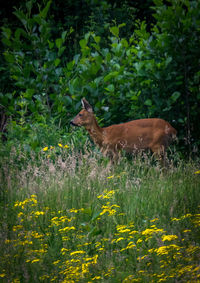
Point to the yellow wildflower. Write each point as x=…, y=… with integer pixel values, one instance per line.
x=35, y=260
x=73, y=210
x=60, y=145
x=133, y=232
x=153, y=220
x=92, y=260
x=17, y=227
x=64, y=250
x=66, y=146
x=149, y=231
x=186, y=216
x=45, y=148
x=101, y=249
x=186, y=231
x=124, y=231
x=37, y=213
x=106, y=194
x=109, y=208
x=77, y=252
x=197, y=172
x=20, y=214
x=2, y=275
x=130, y=245
x=36, y=235
x=169, y=237
x=121, y=227
x=164, y=250
x=33, y=196
x=175, y=219
x=119, y=239
x=67, y=229
x=110, y=177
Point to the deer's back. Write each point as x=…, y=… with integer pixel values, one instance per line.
x=143, y=133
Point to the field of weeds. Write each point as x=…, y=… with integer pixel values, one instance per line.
x=72, y=217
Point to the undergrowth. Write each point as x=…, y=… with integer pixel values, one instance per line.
x=71, y=216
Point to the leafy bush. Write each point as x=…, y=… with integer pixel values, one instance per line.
x=150, y=74
x=35, y=64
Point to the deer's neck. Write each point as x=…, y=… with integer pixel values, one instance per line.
x=96, y=133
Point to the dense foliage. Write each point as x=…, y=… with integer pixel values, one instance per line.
x=127, y=70
x=66, y=214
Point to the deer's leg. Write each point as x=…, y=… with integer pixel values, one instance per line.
x=111, y=153
x=160, y=154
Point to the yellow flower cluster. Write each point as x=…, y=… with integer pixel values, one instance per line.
x=22, y=204
x=164, y=250
x=169, y=238
x=152, y=230
x=60, y=220
x=106, y=194
x=110, y=209
x=78, y=251
x=46, y=148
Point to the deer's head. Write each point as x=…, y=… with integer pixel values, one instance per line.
x=85, y=117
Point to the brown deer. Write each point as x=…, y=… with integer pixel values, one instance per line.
x=153, y=133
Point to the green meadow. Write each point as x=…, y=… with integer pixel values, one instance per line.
x=69, y=216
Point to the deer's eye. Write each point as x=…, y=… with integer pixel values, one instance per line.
x=80, y=115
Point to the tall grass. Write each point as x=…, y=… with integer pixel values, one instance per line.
x=68, y=216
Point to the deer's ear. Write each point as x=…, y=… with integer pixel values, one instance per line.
x=86, y=105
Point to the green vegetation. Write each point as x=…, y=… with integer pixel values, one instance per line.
x=148, y=71
x=70, y=217
x=66, y=214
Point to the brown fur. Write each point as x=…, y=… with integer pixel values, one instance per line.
x=153, y=133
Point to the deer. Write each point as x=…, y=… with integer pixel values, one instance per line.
x=151, y=133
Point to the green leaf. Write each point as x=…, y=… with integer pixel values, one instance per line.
x=21, y=16
x=57, y=62
x=110, y=88
x=44, y=12
x=29, y=93
x=70, y=65
x=29, y=5
x=6, y=42
x=115, y=31
x=51, y=44
x=59, y=42
x=61, y=50
x=83, y=43
x=64, y=33
x=124, y=42
x=122, y=25
x=97, y=39
x=148, y=102
x=168, y=60
x=175, y=96
x=6, y=32
x=9, y=57
x=110, y=76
